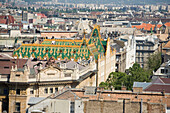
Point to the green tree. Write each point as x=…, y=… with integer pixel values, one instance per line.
x=115, y=79
x=137, y=74
x=154, y=61
x=119, y=79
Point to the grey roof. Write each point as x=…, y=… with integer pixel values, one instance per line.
x=34, y=100
x=141, y=84
x=71, y=64
x=24, y=22
x=32, y=71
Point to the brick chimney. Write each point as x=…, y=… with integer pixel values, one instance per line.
x=123, y=88
x=137, y=89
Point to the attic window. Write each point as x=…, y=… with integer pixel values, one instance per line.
x=94, y=34
x=33, y=50
x=61, y=51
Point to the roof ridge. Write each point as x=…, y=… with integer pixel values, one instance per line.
x=161, y=80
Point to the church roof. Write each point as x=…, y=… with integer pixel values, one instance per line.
x=64, y=49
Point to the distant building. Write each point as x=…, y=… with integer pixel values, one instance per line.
x=125, y=52
x=26, y=16
x=146, y=45
x=163, y=71
x=120, y=30
x=82, y=26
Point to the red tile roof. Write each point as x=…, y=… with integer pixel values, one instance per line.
x=145, y=26
x=167, y=45
x=159, y=25
x=42, y=15
x=6, y=64
x=158, y=88
x=167, y=24
x=165, y=80
x=96, y=13
x=3, y=19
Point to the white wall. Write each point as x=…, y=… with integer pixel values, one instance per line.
x=130, y=52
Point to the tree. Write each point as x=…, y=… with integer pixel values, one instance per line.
x=115, y=79
x=137, y=74
x=119, y=79
x=154, y=61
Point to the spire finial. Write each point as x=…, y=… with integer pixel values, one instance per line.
x=84, y=32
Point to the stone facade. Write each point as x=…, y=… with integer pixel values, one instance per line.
x=145, y=47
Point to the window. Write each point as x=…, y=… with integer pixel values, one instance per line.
x=31, y=91
x=50, y=73
x=142, y=53
x=6, y=67
x=166, y=71
x=46, y=90
x=51, y=90
x=142, y=47
x=17, y=75
x=142, y=66
x=138, y=59
x=162, y=70
x=72, y=107
x=149, y=48
x=17, y=106
x=138, y=47
x=138, y=53
x=5, y=91
x=56, y=89
x=141, y=59
x=68, y=75
x=18, y=91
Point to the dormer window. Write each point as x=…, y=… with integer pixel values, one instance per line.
x=94, y=34
x=61, y=51
x=33, y=50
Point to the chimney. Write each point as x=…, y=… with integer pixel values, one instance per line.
x=112, y=88
x=123, y=88
x=163, y=92
x=137, y=89
x=16, y=68
x=100, y=88
x=12, y=69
